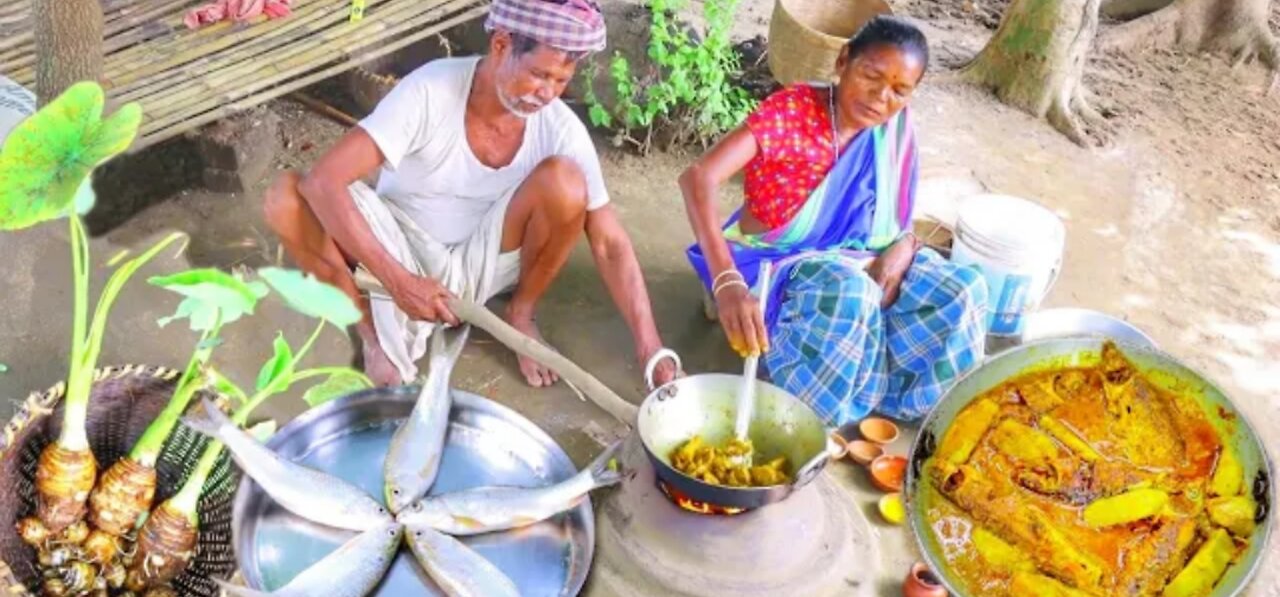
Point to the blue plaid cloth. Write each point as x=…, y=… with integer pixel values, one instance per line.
x=832, y=345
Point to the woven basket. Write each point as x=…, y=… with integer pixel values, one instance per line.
x=125, y=400
x=806, y=36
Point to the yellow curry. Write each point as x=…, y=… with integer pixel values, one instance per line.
x=1087, y=481
x=719, y=466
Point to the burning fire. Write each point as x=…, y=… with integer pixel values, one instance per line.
x=691, y=505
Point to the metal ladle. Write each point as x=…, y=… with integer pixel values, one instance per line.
x=747, y=390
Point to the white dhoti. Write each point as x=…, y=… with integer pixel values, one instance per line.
x=474, y=270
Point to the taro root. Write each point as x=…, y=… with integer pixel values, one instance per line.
x=166, y=543
x=123, y=494
x=33, y=532
x=64, y=478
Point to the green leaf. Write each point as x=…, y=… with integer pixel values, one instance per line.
x=280, y=366
x=311, y=297
x=211, y=295
x=4, y=368
x=599, y=116
x=340, y=383
x=223, y=385
x=209, y=344
x=47, y=158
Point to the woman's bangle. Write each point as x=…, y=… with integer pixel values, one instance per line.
x=716, y=292
x=731, y=271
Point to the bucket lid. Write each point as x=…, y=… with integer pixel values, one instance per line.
x=1011, y=223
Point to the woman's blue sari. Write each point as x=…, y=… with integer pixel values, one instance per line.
x=831, y=343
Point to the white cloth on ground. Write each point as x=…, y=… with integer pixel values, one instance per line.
x=473, y=270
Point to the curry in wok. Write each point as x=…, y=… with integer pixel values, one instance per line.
x=1087, y=481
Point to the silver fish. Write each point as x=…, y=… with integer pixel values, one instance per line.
x=456, y=568
x=488, y=509
x=352, y=570
x=413, y=460
x=307, y=492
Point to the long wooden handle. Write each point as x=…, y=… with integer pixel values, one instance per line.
x=517, y=341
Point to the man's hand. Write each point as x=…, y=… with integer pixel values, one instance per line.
x=616, y=261
x=742, y=320
x=423, y=298
x=891, y=266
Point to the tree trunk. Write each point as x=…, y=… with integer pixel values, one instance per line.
x=1237, y=27
x=1036, y=62
x=68, y=37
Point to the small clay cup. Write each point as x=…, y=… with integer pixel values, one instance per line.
x=921, y=582
x=878, y=430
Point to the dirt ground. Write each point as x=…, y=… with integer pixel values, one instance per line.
x=1175, y=226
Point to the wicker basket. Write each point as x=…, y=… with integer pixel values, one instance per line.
x=125, y=400
x=805, y=36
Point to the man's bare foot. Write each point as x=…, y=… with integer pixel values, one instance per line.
x=377, y=365
x=535, y=373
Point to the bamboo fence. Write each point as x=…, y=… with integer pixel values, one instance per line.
x=185, y=79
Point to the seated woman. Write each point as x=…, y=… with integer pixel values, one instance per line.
x=860, y=317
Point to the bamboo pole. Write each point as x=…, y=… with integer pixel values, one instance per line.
x=517, y=341
x=151, y=56
x=301, y=16
x=295, y=58
x=247, y=50
x=155, y=134
x=324, y=109
x=116, y=20
x=187, y=48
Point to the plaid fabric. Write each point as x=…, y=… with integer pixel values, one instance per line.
x=569, y=25
x=834, y=347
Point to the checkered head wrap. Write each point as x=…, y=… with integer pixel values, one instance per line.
x=567, y=25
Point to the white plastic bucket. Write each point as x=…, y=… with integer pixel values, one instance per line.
x=1018, y=246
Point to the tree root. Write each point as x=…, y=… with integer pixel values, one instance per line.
x=1261, y=46
x=1158, y=29
x=1080, y=121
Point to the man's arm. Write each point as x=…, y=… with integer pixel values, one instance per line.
x=326, y=189
x=616, y=261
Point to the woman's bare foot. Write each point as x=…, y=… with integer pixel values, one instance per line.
x=535, y=373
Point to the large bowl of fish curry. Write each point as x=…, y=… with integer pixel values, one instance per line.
x=1062, y=469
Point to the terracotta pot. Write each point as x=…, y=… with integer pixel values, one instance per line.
x=921, y=582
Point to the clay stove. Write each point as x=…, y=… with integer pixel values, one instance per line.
x=652, y=540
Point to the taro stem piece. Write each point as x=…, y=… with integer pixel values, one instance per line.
x=67, y=469
x=213, y=298
x=126, y=489
x=167, y=540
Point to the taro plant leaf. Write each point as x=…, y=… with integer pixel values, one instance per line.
x=223, y=385
x=209, y=343
x=309, y=296
x=46, y=160
x=342, y=381
x=280, y=366
x=212, y=296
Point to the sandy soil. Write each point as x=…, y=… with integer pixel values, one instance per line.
x=1175, y=226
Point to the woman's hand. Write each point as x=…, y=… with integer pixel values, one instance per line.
x=742, y=320
x=890, y=267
